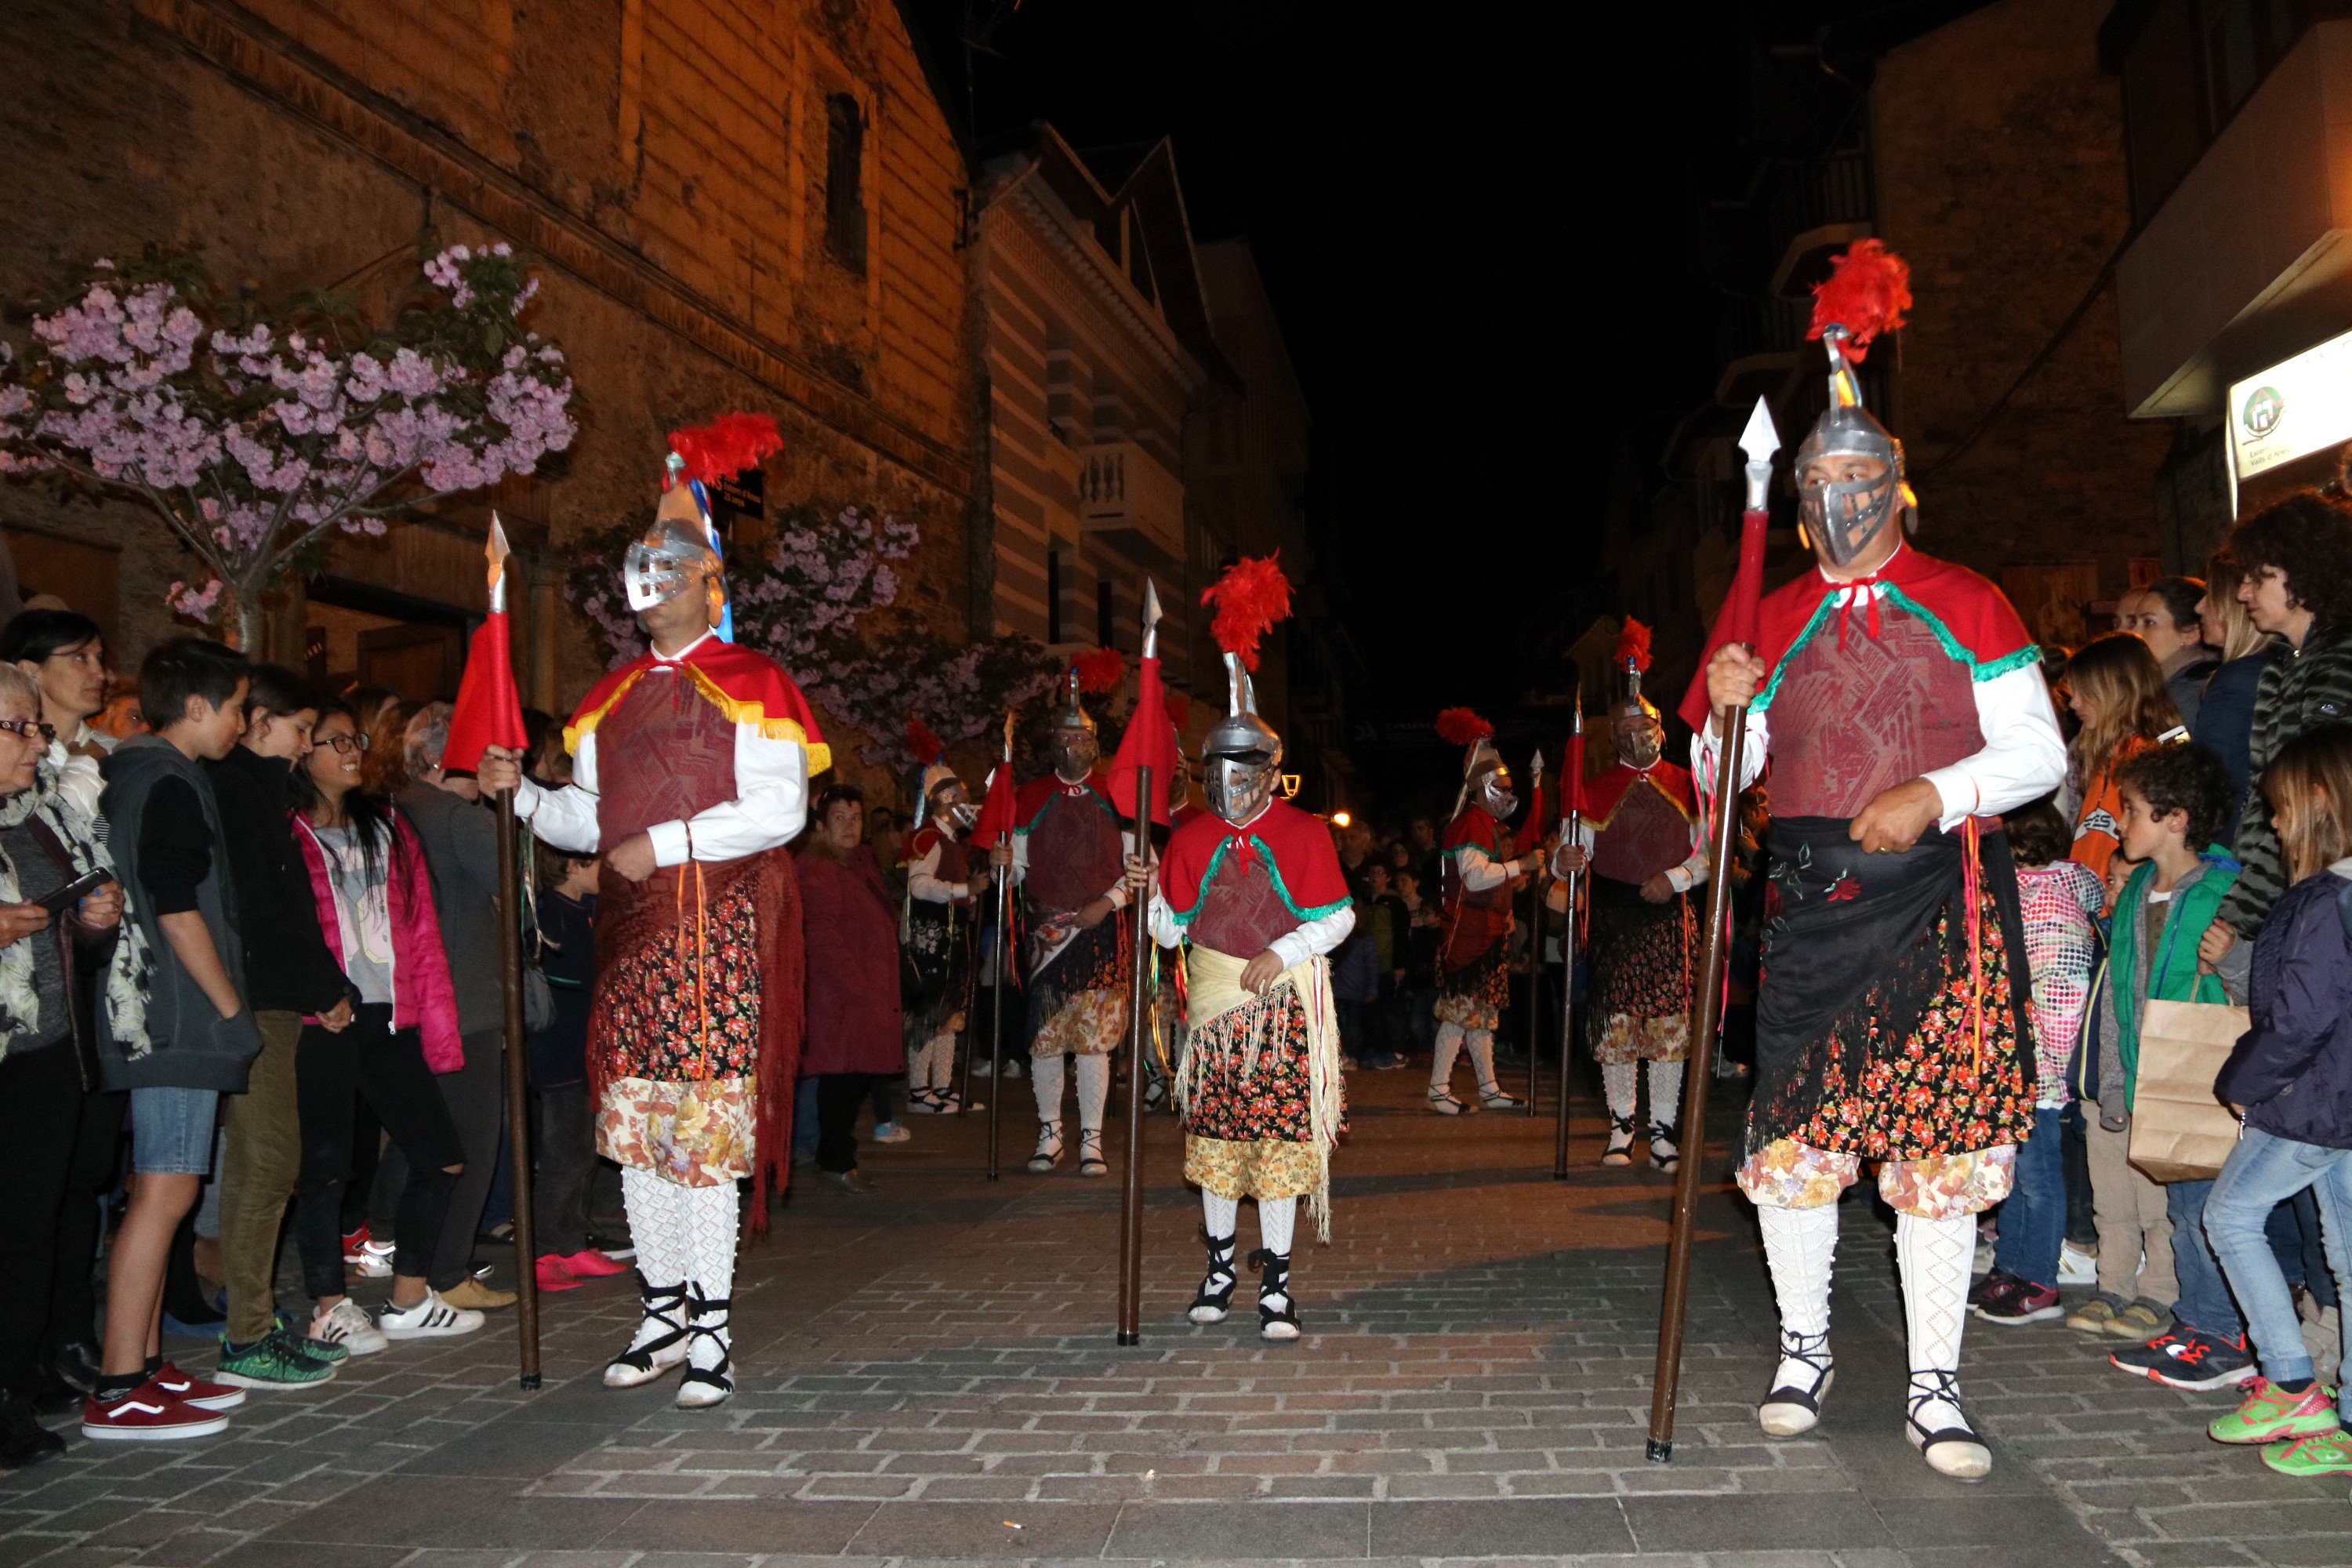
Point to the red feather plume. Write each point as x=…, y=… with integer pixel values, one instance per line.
x=1633, y=645
x=1102, y=670
x=727, y=445
x=1461, y=726
x=1178, y=707
x=1866, y=292
x=928, y=747
x=1250, y=599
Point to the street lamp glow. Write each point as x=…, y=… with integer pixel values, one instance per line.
x=1341, y=819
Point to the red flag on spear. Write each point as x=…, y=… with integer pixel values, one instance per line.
x=1150, y=740
x=487, y=712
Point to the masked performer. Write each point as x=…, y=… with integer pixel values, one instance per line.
x=944, y=882
x=1254, y=886
x=1480, y=876
x=1069, y=860
x=1903, y=708
x=690, y=773
x=1642, y=841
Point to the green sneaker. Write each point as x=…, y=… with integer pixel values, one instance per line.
x=2329, y=1454
x=2269, y=1412
x=2094, y=1315
x=325, y=1350
x=270, y=1362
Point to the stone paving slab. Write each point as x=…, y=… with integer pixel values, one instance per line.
x=928, y=1376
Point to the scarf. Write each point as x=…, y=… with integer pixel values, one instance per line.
x=128, y=974
x=1213, y=989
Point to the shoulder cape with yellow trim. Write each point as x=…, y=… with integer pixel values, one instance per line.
x=1294, y=844
x=1970, y=617
x=1605, y=793
x=750, y=688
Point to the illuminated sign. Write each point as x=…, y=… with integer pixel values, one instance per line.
x=2294, y=408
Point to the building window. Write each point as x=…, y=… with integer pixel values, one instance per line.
x=1105, y=614
x=1054, y=597
x=845, y=180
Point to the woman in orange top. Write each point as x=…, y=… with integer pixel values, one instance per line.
x=2117, y=689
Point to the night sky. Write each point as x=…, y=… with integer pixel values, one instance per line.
x=1476, y=224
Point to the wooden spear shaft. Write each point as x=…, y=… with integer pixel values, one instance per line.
x=518, y=1090
x=1697, y=1073
x=1139, y=1033
x=1567, y=998
x=1001, y=967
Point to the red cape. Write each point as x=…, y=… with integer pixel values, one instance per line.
x=1476, y=825
x=1295, y=843
x=1605, y=793
x=749, y=688
x=1971, y=618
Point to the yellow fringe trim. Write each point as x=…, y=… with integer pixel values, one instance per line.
x=820, y=755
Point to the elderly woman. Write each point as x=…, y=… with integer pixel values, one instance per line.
x=64, y=654
x=63, y=966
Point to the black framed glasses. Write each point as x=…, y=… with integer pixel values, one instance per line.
x=30, y=729
x=345, y=745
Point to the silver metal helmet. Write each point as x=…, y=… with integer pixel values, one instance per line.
x=674, y=553
x=1842, y=516
x=1241, y=762
x=1636, y=731
x=946, y=801
x=1076, y=745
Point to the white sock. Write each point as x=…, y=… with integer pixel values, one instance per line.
x=1934, y=1256
x=655, y=1228
x=1045, y=1074
x=1665, y=1093
x=711, y=1219
x=1800, y=1244
x=916, y=1078
x=942, y=1050
x=1219, y=1215
x=1619, y=1081
x=1277, y=1220
x=1094, y=1090
x=1482, y=1058
x=1441, y=1072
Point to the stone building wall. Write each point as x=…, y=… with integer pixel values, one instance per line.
x=662, y=161
x=1999, y=162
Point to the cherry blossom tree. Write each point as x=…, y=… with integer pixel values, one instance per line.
x=253, y=434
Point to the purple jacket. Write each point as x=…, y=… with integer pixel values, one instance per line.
x=2292, y=1070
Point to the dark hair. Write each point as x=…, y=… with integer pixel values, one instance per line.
x=550, y=865
x=369, y=813
x=2038, y=832
x=2307, y=537
x=39, y=635
x=183, y=668
x=2309, y=787
x=834, y=795
x=2184, y=777
x=277, y=689
x=2179, y=595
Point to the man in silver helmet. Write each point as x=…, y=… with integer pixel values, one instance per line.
x=1482, y=873
x=1641, y=838
x=1255, y=886
x=1069, y=859
x=1901, y=705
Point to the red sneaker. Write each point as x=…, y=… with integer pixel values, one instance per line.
x=148, y=1415
x=196, y=1391
x=552, y=1276
x=590, y=1264
x=354, y=1242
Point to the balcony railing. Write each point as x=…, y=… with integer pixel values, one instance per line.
x=1128, y=495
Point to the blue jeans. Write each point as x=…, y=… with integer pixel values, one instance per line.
x=171, y=1131
x=2262, y=1171
x=2034, y=1219
x=2204, y=1303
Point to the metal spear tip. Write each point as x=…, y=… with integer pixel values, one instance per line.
x=1151, y=619
x=1535, y=764
x=1762, y=437
x=497, y=551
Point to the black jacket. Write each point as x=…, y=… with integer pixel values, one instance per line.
x=288, y=968
x=2292, y=1070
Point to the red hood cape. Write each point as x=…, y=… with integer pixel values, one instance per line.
x=1039, y=792
x=1969, y=615
x=749, y=688
x=1606, y=792
x=1294, y=844
x=1476, y=825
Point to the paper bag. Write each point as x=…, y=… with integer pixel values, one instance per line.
x=2179, y=1131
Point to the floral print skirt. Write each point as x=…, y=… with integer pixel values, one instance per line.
x=1249, y=1116
x=1642, y=959
x=1473, y=996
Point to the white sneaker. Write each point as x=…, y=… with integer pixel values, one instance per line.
x=349, y=1325
x=1984, y=1262
x=2076, y=1268
x=892, y=1133
x=1013, y=1068
x=372, y=1261
x=431, y=1319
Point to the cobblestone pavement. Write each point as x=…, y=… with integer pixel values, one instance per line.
x=929, y=1375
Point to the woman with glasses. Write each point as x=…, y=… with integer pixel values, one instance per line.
x=64, y=656
x=376, y=910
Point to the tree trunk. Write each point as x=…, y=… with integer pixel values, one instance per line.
x=242, y=619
